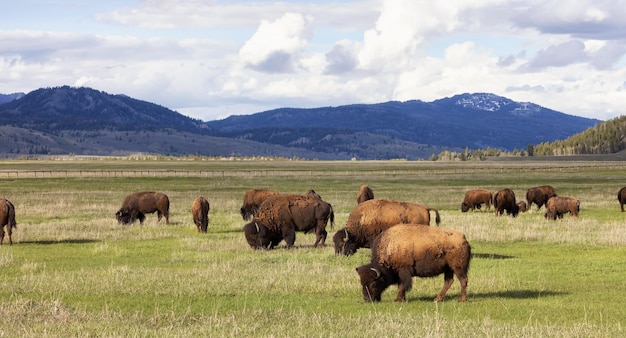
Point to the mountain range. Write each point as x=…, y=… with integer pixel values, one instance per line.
x=69, y=120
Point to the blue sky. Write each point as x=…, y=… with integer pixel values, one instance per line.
x=210, y=58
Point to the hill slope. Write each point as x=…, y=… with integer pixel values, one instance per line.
x=66, y=120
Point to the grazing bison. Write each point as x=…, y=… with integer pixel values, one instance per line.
x=521, y=206
x=474, y=198
x=285, y=214
x=136, y=205
x=7, y=217
x=200, y=212
x=252, y=200
x=557, y=206
x=364, y=194
x=539, y=195
x=407, y=250
x=260, y=237
x=370, y=218
x=621, y=197
x=505, y=200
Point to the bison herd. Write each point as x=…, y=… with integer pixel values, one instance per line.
x=402, y=242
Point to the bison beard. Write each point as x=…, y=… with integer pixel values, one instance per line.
x=7, y=218
x=404, y=251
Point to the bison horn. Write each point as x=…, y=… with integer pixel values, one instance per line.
x=345, y=239
x=257, y=227
x=376, y=272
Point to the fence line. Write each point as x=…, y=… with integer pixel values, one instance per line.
x=278, y=172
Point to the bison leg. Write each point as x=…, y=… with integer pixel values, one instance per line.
x=448, y=278
x=290, y=237
x=321, y=238
x=463, y=281
x=1, y=235
x=405, y=284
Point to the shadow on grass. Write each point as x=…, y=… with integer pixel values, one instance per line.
x=67, y=241
x=490, y=256
x=509, y=294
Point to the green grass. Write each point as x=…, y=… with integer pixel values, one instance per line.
x=74, y=271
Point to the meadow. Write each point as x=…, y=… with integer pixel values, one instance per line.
x=74, y=271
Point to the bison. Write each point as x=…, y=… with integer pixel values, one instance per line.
x=407, y=250
x=364, y=194
x=621, y=197
x=557, y=206
x=259, y=236
x=136, y=205
x=7, y=217
x=505, y=200
x=370, y=218
x=284, y=214
x=251, y=201
x=474, y=198
x=521, y=206
x=200, y=212
x=539, y=195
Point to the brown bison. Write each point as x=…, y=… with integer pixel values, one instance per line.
x=521, y=206
x=251, y=201
x=539, y=195
x=260, y=237
x=370, y=218
x=474, y=198
x=505, y=200
x=364, y=194
x=136, y=205
x=284, y=214
x=7, y=217
x=407, y=250
x=557, y=206
x=621, y=197
x=200, y=212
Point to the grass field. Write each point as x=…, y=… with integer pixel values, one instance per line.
x=73, y=271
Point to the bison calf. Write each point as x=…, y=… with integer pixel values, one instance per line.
x=136, y=205
x=407, y=250
x=200, y=212
x=474, y=198
x=7, y=218
x=557, y=206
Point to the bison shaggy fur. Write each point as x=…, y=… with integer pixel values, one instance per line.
x=200, y=212
x=621, y=197
x=260, y=237
x=539, y=195
x=370, y=218
x=285, y=214
x=504, y=200
x=474, y=198
x=407, y=250
x=557, y=206
x=136, y=205
x=252, y=199
x=364, y=194
x=7, y=218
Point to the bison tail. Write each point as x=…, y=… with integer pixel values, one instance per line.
x=332, y=216
x=437, y=217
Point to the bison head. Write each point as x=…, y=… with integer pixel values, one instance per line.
x=464, y=207
x=344, y=244
x=374, y=280
x=260, y=237
x=123, y=217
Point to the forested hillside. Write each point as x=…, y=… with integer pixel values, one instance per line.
x=605, y=138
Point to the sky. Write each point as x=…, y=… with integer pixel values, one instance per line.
x=209, y=59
